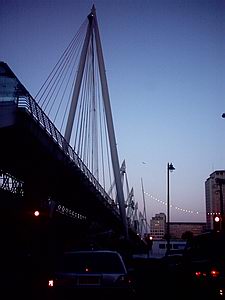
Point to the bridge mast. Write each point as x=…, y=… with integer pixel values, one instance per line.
x=109, y=119
x=93, y=28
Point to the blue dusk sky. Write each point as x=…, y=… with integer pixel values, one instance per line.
x=165, y=66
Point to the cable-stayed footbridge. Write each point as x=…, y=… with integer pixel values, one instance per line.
x=58, y=151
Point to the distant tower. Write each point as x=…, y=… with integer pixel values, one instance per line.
x=158, y=226
x=213, y=197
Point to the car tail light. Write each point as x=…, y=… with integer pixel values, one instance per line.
x=198, y=274
x=214, y=273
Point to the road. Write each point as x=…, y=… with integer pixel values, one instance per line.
x=154, y=280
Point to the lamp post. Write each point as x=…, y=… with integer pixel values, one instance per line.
x=170, y=168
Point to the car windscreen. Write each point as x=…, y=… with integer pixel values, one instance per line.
x=82, y=262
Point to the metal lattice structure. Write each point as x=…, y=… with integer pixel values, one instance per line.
x=11, y=184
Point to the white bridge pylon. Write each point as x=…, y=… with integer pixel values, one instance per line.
x=130, y=205
x=92, y=35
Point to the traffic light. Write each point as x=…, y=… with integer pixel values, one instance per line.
x=217, y=223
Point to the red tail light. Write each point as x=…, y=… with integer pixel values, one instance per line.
x=198, y=274
x=214, y=273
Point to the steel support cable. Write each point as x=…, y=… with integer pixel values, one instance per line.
x=66, y=112
x=103, y=141
x=108, y=156
x=88, y=146
x=50, y=79
x=88, y=86
x=95, y=118
x=85, y=120
x=89, y=119
x=64, y=67
x=93, y=125
x=58, y=83
x=105, y=152
x=57, y=66
x=80, y=127
x=91, y=112
x=81, y=115
x=87, y=139
x=67, y=104
x=103, y=137
x=68, y=76
x=103, y=130
x=109, y=168
x=72, y=71
x=50, y=89
x=78, y=116
x=86, y=115
x=99, y=128
x=100, y=109
x=75, y=147
x=72, y=87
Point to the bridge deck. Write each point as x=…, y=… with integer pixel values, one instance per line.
x=37, y=154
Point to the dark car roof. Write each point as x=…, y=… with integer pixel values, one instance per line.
x=210, y=244
x=91, y=251
x=105, y=261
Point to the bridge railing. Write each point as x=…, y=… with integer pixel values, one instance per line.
x=32, y=107
x=11, y=183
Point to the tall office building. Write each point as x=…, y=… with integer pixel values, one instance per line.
x=158, y=226
x=214, y=196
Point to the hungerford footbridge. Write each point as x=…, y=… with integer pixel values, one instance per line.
x=58, y=154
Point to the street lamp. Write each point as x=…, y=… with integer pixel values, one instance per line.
x=170, y=168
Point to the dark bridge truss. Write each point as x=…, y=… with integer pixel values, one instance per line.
x=11, y=184
x=39, y=165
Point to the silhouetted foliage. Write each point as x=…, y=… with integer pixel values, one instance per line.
x=187, y=235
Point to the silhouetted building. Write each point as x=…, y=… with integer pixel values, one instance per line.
x=177, y=229
x=213, y=197
x=158, y=226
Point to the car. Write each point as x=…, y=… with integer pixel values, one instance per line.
x=173, y=259
x=204, y=264
x=100, y=273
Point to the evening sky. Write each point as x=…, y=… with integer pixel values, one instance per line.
x=165, y=66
